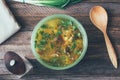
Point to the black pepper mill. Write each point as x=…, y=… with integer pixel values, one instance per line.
x=17, y=65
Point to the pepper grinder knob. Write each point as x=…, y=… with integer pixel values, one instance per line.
x=12, y=62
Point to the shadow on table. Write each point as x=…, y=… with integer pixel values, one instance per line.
x=87, y=67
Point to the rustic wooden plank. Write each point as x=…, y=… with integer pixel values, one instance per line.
x=94, y=51
x=20, y=38
x=101, y=1
x=43, y=77
x=87, y=67
x=94, y=37
x=83, y=78
x=28, y=15
x=22, y=50
x=81, y=9
x=28, y=22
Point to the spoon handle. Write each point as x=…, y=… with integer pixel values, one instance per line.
x=111, y=51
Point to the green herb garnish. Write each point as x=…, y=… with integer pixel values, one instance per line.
x=52, y=45
x=73, y=45
x=42, y=44
x=35, y=44
x=66, y=23
x=59, y=32
x=79, y=35
x=44, y=26
x=44, y=35
x=74, y=27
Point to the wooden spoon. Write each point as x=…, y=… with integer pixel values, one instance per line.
x=99, y=18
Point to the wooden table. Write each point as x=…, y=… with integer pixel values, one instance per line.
x=96, y=64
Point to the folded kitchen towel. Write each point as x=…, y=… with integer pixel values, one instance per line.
x=8, y=25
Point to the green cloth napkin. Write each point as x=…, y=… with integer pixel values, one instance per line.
x=51, y=3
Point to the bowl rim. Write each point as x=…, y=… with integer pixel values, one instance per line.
x=80, y=27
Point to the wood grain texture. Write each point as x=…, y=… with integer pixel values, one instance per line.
x=95, y=65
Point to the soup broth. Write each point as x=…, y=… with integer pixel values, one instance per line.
x=59, y=42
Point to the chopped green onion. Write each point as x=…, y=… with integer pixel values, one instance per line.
x=44, y=26
x=59, y=32
x=74, y=27
x=43, y=42
x=79, y=35
x=66, y=23
x=52, y=45
x=44, y=35
x=73, y=45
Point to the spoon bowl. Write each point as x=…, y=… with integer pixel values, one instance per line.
x=99, y=18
